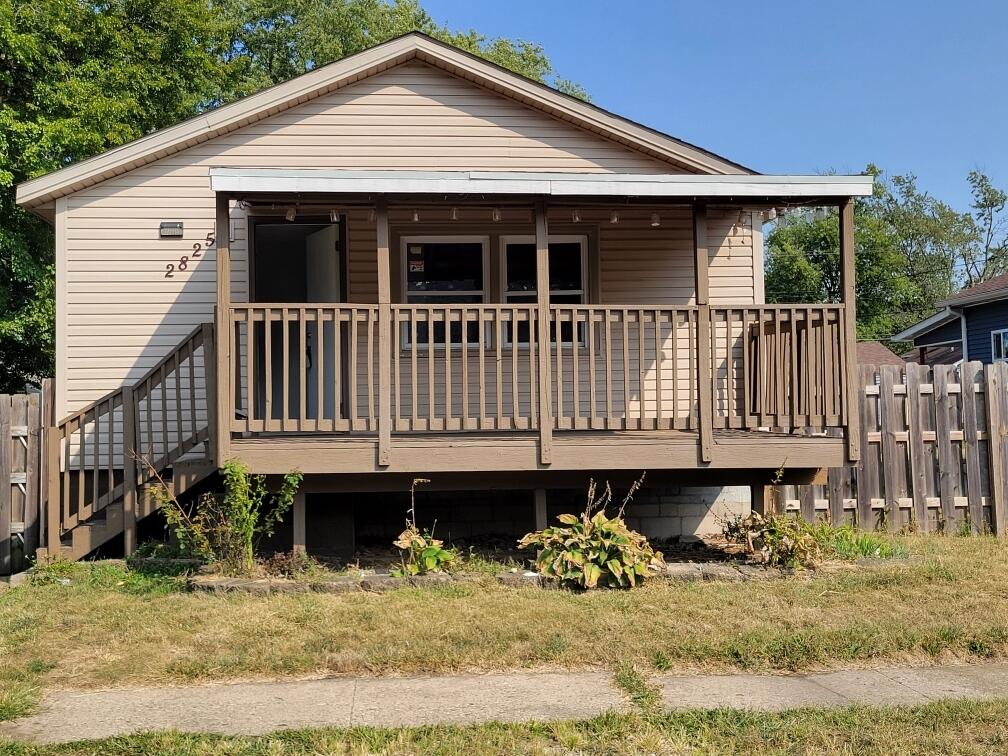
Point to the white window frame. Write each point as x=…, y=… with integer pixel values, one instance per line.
x=997, y=333
x=581, y=239
x=483, y=294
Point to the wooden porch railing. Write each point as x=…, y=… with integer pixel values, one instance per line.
x=304, y=368
x=160, y=418
x=464, y=367
x=779, y=366
x=623, y=368
x=468, y=367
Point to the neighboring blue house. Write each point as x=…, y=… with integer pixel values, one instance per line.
x=977, y=315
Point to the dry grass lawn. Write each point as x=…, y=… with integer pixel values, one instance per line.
x=107, y=628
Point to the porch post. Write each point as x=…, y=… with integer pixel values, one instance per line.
x=704, y=382
x=223, y=409
x=849, y=300
x=542, y=335
x=300, y=532
x=129, y=470
x=384, y=335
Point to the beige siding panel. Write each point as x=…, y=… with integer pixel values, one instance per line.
x=118, y=313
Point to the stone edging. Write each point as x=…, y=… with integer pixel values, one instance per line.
x=380, y=583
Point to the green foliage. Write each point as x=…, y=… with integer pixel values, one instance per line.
x=986, y=253
x=423, y=553
x=76, y=79
x=103, y=576
x=912, y=251
x=593, y=549
x=791, y=542
x=274, y=40
x=847, y=542
x=225, y=527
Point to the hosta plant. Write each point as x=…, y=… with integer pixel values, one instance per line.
x=594, y=549
x=422, y=552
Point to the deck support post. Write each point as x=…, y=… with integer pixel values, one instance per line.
x=384, y=335
x=542, y=335
x=761, y=498
x=849, y=299
x=704, y=366
x=54, y=455
x=220, y=430
x=300, y=531
x=540, y=508
x=129, y=504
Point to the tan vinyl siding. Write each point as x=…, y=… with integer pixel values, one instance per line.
x=118, y=314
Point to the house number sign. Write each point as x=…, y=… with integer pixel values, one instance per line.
x=183, y=263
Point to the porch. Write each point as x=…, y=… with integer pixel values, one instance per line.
x=546, y=377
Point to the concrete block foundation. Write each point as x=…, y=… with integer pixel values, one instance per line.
x=337, y=522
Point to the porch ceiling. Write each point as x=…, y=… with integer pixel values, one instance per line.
x=248, y=181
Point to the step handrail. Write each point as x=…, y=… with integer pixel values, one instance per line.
x=103, y=452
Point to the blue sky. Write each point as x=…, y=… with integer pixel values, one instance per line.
x=788, y=87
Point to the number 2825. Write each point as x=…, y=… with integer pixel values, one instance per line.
x=183, y=263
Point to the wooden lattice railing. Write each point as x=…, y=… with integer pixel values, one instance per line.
x=101, y=453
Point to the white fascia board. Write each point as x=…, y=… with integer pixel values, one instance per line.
x=365, y=182
x=267, y=180
x=940, y=318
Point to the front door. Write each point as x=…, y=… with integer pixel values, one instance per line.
x=296, y=263
x=322, y=284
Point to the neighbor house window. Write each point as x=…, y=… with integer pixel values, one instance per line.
x=567, y=277
x=999, y=345
x=444, y=270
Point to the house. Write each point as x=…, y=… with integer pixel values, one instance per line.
x=976, y=316
x=414, y=262
x=877, y=353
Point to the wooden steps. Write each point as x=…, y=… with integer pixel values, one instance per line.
x=108, y=524
x=103, y=459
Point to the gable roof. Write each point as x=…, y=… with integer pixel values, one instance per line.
x=990, y=290
x=877, y=353
x=42, y=191
x=985, y=291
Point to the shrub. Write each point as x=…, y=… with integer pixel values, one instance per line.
x=788, y=541
x=225, y=527
x=593, y=549
x=292, y=564
x=781, y=540
x=423, y=553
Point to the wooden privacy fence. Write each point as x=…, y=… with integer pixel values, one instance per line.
x=934, y=453
x=22, y=471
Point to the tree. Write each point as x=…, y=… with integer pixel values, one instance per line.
x=986, y=252
x=912, y=252
x=75, y=79
x=803, y=265
x=278, y=39
x=78, y=78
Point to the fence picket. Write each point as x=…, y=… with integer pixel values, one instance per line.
x=968, y=374
x=909, y=451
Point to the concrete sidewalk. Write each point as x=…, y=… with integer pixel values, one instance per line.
x=257, y=708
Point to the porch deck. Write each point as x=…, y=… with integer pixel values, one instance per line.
x=491, y=452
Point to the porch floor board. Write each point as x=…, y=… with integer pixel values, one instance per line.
x=501, y=452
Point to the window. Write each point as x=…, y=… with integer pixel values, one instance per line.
x=567, y=274
x=444, y=270
x=999, y=345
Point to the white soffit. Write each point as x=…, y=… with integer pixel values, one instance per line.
x=280, y=180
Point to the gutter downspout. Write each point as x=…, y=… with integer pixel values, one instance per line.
x=962, y=337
